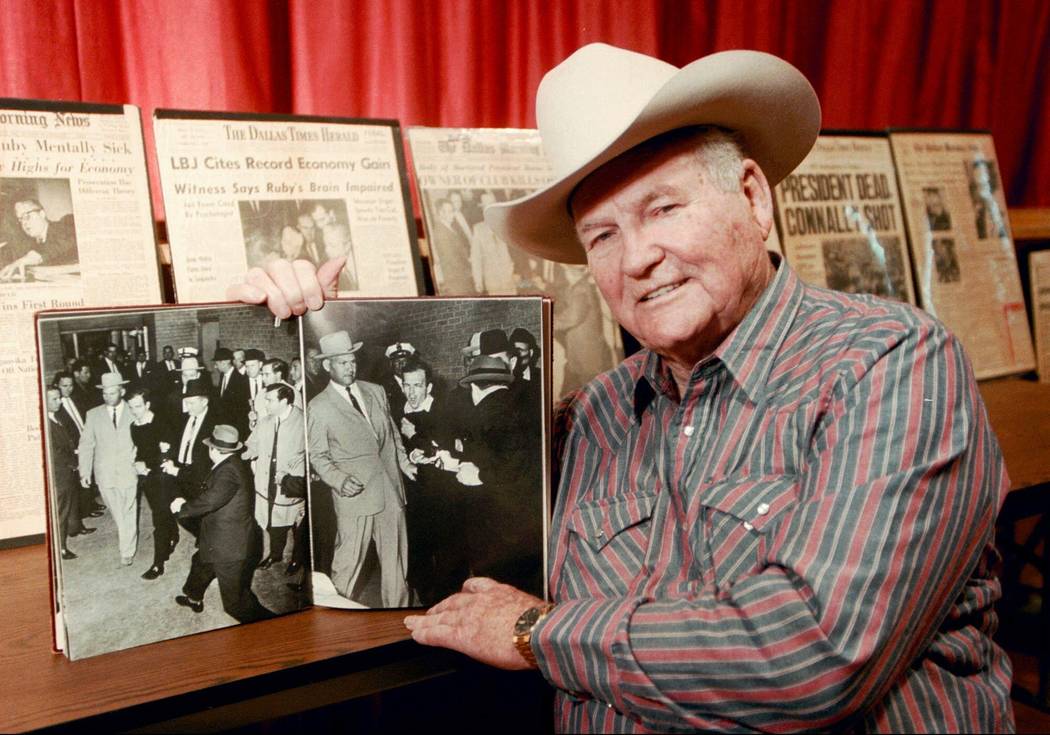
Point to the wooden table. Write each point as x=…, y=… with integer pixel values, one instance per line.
x=224, y=678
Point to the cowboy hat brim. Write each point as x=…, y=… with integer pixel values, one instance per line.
x=767, y=102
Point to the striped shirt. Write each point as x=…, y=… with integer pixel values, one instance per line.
x=803, y=541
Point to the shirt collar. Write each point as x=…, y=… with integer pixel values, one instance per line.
x=750, y=349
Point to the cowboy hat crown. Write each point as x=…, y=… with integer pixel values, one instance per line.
x=602, y=101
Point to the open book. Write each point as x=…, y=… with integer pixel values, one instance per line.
x=373, y=454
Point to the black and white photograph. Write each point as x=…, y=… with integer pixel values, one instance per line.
x=937, y=216
x=983, y=179
x=176, y=464
x=468, y=258
x=306, y=229
x=945, y=260
x=425, y=424
x=38, y=241
x=856, y=265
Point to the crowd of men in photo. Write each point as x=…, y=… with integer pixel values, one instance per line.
x=314, y=230
x=222, y=457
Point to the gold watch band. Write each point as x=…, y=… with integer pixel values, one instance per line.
x=523, y=631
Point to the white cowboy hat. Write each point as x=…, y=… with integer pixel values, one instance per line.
x=602, y=101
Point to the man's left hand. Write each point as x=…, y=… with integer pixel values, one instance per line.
x=479, y=621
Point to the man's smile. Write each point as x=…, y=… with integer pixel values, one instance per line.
x=662, y=291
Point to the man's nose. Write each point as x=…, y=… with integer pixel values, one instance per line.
x=642, y=249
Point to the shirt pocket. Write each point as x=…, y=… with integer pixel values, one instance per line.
x=599, y=522
x=737, y=518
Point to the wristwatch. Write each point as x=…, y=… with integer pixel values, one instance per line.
x=523, y=630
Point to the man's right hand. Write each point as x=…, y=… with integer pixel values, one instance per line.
x=289, y=288
x=351, y=487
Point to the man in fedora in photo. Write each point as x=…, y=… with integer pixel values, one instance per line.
x=779, y=515
x=357, y=452
x=229, y=540
x=186, y=454
x=231, y=391
x=107, y=454
x=499, y=461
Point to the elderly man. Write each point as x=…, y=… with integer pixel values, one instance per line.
x=357, y=452
x=107, y=453
x=779, y=515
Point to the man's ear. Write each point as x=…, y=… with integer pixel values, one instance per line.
x=759, y=196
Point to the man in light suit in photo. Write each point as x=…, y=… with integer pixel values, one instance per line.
x=277, y=445
x=357, y=452
x=107, y=453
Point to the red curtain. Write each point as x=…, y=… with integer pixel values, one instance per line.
x=937, y=63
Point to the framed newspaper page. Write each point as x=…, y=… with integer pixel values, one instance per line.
x=1039, y=280
x=961, y=246
x=243, y=189
x=840, y=217
x=458, y=172
x=76, y=229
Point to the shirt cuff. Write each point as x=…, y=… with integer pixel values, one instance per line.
x=581, y=647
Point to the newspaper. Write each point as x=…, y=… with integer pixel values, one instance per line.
x=961, y=246
x=841, y=219
x=1039, y=278
x=459, y=171
x=76, y=229
x=242, y=190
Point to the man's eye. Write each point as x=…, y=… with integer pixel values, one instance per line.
x=599, y=239
x=665, y=208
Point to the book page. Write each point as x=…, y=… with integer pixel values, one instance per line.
x=240, y=191
x=841, y=218
x=171, y=502
x=429, y=453
x=76, y=229
x=459, y=171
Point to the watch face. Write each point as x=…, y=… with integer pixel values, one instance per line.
x=526, y=621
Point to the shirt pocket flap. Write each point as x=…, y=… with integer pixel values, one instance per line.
x=598, y=521
x=755, y=501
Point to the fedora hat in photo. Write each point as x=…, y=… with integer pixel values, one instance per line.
x=486, y=367
x=338, y=343
x=222, y=353
x=197, y=388
x=109, y=380
x=602, y=101
x=224, y=438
